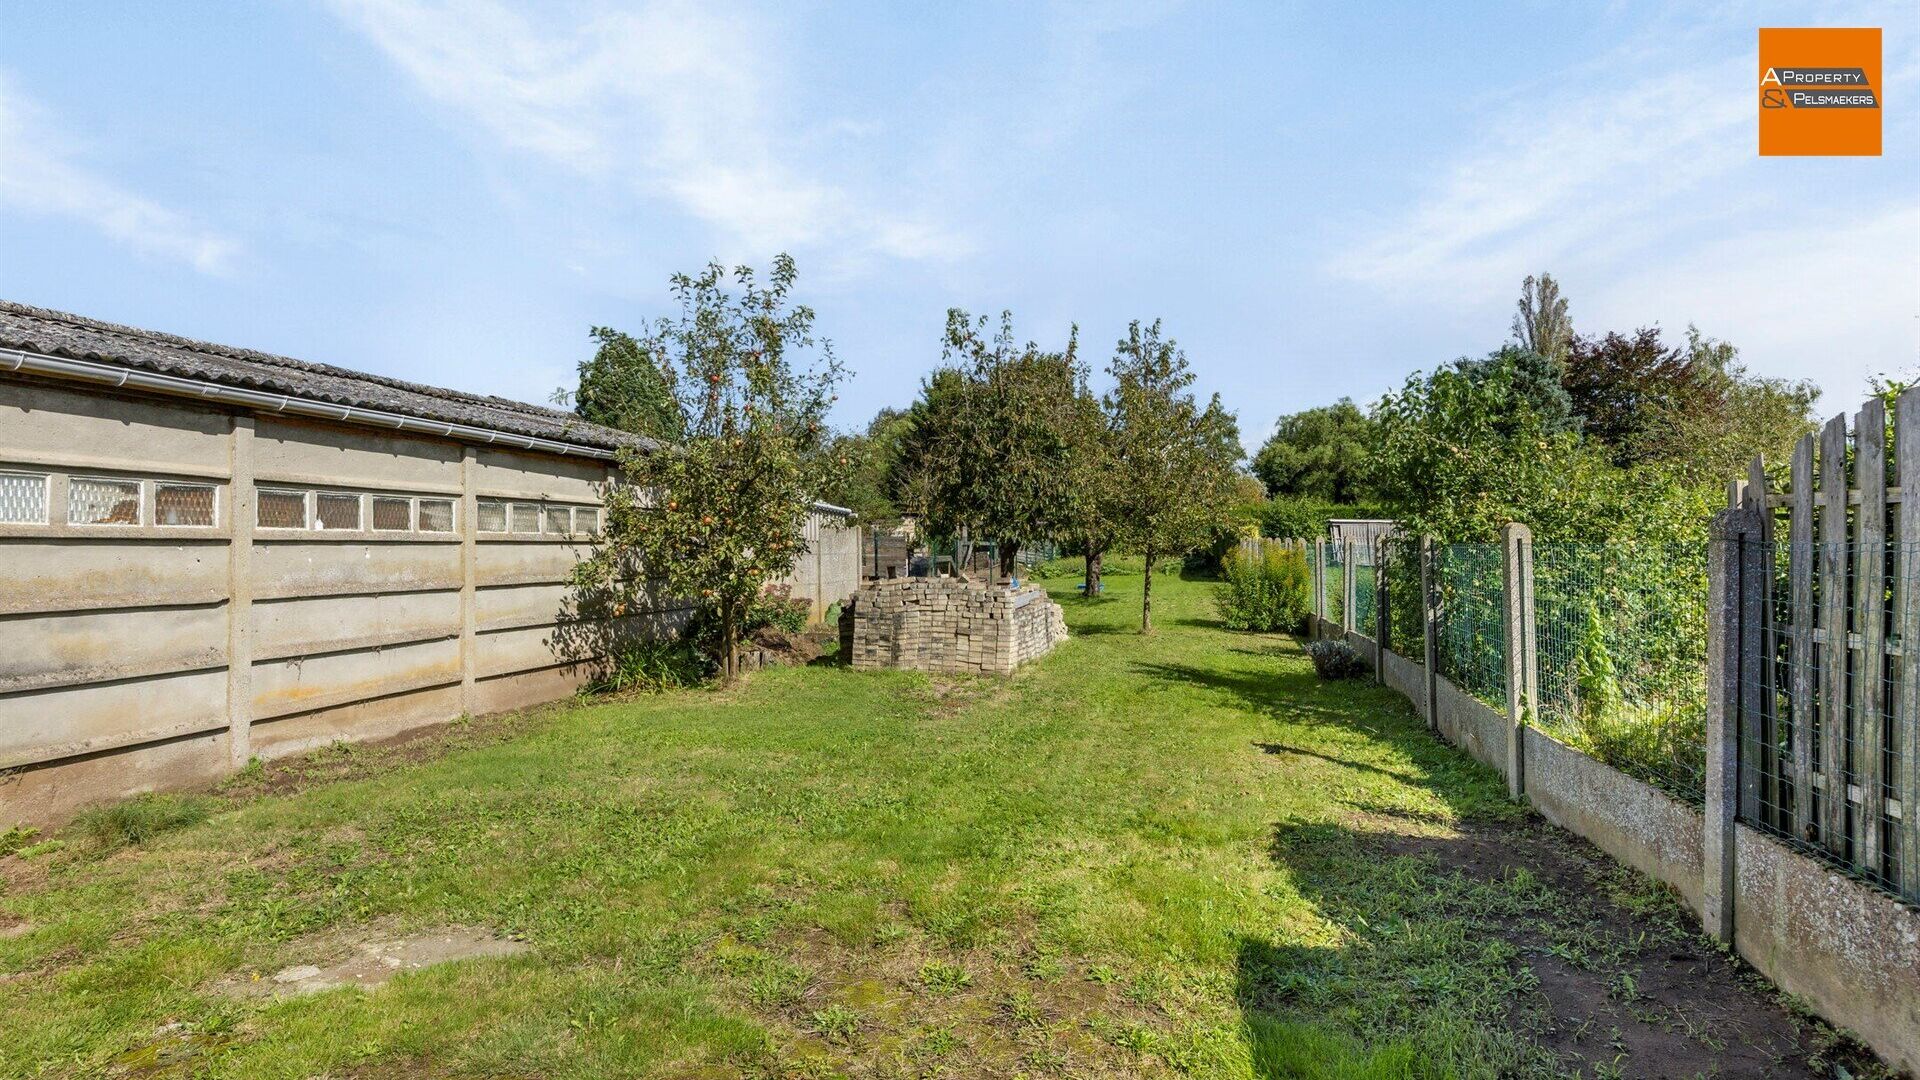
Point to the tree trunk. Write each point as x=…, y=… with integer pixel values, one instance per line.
x=1009, y=559
x=1092, y=587
x=729, y=648
x=1146, y=597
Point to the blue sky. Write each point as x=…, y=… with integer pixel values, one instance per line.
x=1316, y=198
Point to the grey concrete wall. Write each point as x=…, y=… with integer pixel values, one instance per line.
x=1850, y=950
x=1472, y=725
x=1409, y=678
x=1634, y=822
x=147, y=656
x=1364, y=646
x=828, y=571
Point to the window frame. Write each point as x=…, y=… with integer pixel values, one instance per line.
x=213, y=507
x=139, y=499
x=453, y=515
x=46, y=498
x=373, y=517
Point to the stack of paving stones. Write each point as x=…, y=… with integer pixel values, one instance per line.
x=949, y=625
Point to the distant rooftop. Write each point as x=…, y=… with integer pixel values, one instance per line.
x=75, y=337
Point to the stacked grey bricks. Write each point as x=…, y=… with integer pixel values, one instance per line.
x=949, y=625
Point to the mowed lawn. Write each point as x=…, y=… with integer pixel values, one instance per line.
x=1143, y=856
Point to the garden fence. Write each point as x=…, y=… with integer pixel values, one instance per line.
x=1737, y=719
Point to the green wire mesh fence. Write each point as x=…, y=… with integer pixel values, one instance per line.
x=1470, y=644
x=1365, y=596
x=1406, y=620
x=1620, y=655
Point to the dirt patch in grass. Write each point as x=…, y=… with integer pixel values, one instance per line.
x=366, y=957
x=904, y=1006
x=1630, y=989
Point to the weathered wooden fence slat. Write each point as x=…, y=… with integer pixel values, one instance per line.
x=1833, y=617
x=1870, y=620
x=1800, y=645
x=1906, y=715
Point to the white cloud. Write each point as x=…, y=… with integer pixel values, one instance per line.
x=672, y=96
x=1647, y=199
x=40, y=173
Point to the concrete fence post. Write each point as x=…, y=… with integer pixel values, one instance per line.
x=1730, y=580
x=1379, y=611
x=1319, y=586
x=1430, y=629
x=241, y=515
x=1523, y=689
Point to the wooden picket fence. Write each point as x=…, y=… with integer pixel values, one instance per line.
x=1829, y=708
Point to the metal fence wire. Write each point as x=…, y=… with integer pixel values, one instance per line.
x=1620, y=656
x=1406, y=616
x=1470, y=644
x=1365, y=594
x=1828, y=708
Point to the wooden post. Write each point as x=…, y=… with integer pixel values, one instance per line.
x=1759, y=786
x=1522, y=683
x=1869, y=620
x=1429, y=626
x=1800, y=569
x=1734, y=532
x=1833, y=621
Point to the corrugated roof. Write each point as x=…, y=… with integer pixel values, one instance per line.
x=57, y=333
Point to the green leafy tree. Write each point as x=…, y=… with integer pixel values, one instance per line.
x=1092, y=519
x=1174, y=460
x=1318, y=453
x=860, y=461
x=1541, y=325
x=719, y=514
x=624, y=385
x=989, y=449
x=1465, y=449
x=1693, y=411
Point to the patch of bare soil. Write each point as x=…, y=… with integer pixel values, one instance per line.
x=367, y=957
x=906, y=1007
x=1631, y=988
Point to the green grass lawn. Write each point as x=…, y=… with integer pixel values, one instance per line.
x=1142, y=856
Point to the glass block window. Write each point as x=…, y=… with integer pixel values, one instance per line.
x=278, y=509
x=23, y=499
x=336, y=510
x=182, y=504
x=586, y=519
x=493, y=516
x=526, y=517
x=392, y=515
x=92, y=501
x=436, y=515
x=559, y=520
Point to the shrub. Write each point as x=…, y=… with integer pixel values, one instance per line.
x=139, y=819
x=1265, y=590
x=1335, y=660
x=777, y=608
x=653, y=666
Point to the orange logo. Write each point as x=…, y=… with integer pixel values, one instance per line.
x=1819, y=92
